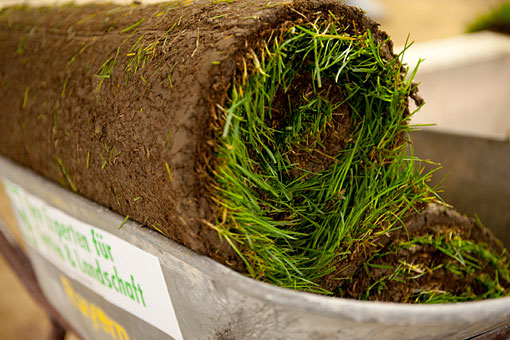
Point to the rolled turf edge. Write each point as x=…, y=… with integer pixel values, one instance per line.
x=269, y=137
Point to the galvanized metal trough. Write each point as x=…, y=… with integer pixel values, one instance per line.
x=133, y=283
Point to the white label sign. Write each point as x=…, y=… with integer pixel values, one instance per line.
x=123, y=274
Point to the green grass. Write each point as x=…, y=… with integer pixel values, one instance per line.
x=464, y=258
x=66, y=174
x=21, y=44
x=64, y=89
x=123, y=222
x=25, y=98
x=105, y=71
x=87, y=162
x=497, y=19
x=291, y=226
x=55, y=119
x=111, y=156
x=138, y=54
x=127, y=29
x=168, y=171
x=142, y=51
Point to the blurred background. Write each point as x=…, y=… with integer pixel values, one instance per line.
x=465, y=81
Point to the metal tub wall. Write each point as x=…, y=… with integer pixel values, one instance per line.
x=475, y=175
x=214, y=302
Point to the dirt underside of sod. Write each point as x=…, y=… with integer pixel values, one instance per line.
x=367, y=272
x=126, y=105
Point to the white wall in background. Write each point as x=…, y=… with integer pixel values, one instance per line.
x=465, y=82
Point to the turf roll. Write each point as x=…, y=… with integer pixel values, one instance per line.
x=271, y=137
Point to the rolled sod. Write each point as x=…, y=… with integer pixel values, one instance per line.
x=270, y=137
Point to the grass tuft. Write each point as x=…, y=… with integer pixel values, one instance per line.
x=498, y=19
x=296, y=200
x=123, y=222
x=105, y=71
x=168, y=171
x=64, y=89
x=66, y=174
x=25, y=98
x=88, y=160
x=127, y=29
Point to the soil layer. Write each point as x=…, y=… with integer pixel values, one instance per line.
x=132, y=130
x=419, y=260
x=122, y=106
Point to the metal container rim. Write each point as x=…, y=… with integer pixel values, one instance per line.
x=166, y=249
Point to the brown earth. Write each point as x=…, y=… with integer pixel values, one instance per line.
x=113, y=145
x=434, y=220
x=333, y=139
x=141, y=143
